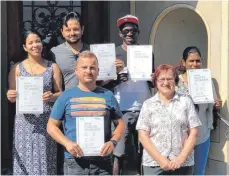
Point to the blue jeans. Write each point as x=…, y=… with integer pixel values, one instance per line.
x=201, y=157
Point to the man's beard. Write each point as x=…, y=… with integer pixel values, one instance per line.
x=75, y=42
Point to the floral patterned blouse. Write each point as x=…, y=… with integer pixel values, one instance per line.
x=168, y=126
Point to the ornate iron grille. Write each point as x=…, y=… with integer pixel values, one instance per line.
x=45, y=17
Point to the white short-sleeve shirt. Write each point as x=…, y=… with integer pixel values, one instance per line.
x=168, y=126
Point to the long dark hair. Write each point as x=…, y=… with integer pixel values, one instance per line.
x=27, y=33
x=24, y=37
x=49, y=42
x=186, y=52
x=190, y=49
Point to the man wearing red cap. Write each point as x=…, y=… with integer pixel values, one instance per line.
x=128, y=30
x=129, y=93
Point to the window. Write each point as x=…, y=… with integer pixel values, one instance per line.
x=45, y=17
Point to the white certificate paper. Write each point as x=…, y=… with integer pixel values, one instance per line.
x=139, y=61
x=200, y=85
x=106, y=58
x=90, y=134
x=30, y=91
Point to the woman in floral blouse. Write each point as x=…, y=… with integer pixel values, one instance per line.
x=192, y=60
x=167, y=128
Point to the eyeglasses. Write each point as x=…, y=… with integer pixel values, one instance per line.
x=133, y=31
x=161, y=80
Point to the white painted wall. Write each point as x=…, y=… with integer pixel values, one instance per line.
x=177, y=30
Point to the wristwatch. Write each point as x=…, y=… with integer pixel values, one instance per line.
x=114, y=142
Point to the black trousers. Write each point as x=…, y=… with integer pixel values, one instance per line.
x=158, y=171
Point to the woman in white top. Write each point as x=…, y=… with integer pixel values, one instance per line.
x=167, y=128
x=192, y=60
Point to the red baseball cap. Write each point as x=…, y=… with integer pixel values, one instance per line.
x=127, y=19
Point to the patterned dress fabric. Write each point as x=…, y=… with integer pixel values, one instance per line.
x=182, y=88
x=34, y=151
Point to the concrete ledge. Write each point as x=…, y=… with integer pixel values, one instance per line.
x=215, y=167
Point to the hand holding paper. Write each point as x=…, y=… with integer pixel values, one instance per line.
x=74, y=149
x=119, y=65
x=107, y=149
x=47, y=96
x=218, y=103
x=11, y=95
